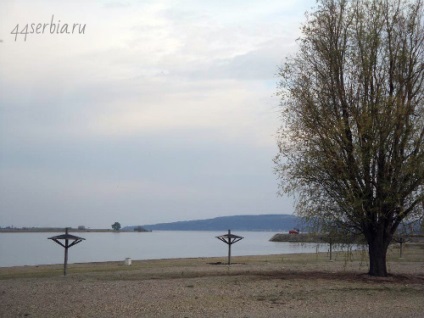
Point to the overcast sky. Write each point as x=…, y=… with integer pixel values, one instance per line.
x=161, y=111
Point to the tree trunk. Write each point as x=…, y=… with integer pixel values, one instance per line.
x=377, y=250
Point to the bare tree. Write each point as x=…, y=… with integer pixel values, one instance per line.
x=351, y=146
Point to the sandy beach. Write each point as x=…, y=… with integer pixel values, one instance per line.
x=299, y=285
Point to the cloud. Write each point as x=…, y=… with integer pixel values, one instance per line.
x=161, y=108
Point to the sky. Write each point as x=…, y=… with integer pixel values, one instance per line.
x=149, y=112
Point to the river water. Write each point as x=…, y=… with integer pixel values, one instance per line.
x=17, y=249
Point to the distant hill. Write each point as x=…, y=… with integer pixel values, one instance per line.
x=266, y=222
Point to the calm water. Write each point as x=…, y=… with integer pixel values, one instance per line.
x=18, y=249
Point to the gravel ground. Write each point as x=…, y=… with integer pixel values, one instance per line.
x=261, y=286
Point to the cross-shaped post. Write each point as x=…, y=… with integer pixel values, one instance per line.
x=70, y=240
x=229, y=239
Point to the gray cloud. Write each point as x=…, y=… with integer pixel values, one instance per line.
x=159, y=113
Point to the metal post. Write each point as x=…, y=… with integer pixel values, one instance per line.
x=229, y=239
x=65, y=263
x=229, y=247
x=69, y=241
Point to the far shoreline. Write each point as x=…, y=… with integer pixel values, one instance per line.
x=60, y=230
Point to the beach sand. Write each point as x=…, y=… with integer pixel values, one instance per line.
x=300, y=285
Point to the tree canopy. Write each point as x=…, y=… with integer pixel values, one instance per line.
x=351, y=145
x=116, y=226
